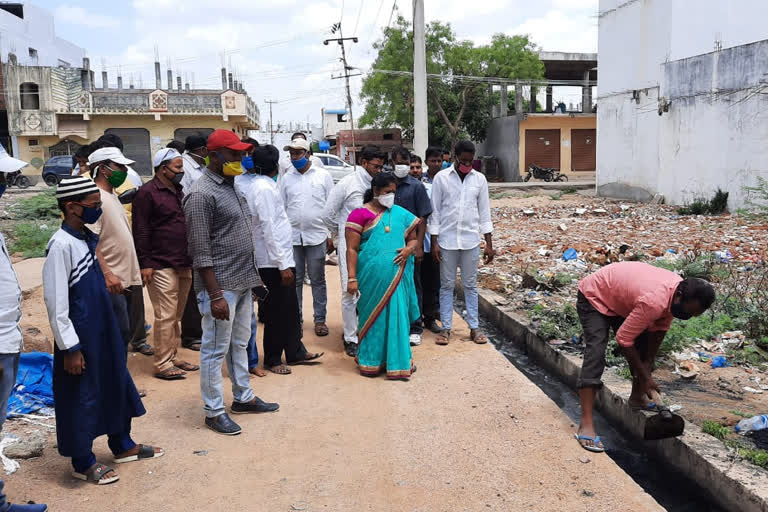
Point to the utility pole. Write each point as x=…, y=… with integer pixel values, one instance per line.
x=420, y=119
x=337, y=27
x=271, y=128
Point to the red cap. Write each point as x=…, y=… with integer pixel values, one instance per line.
x=226, y=139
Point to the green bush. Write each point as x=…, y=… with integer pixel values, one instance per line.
x=702, y=206
x=41, y=206
x=715, y=429
x=705, y=327
x=755, y=456
x=31, y=238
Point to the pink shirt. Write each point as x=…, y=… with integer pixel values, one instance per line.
x=638, y=292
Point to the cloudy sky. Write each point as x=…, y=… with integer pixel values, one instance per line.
x=276, y=46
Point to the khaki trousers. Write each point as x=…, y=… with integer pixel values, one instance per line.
x=168, y=291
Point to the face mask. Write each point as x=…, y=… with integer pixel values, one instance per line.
x=2, y=189
x=387, y=200
x=275, y=178
x=117, y=178
x=247, y=163
x=445, y=165
x=207, y=161
x=679, y=312
x=401, y=171
x=300, y=163
x=465, y=169
x=90, y=214
x=232, y=169
x=176, y=180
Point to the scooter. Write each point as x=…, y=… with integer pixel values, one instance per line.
x=17, y=179
x=544, y=173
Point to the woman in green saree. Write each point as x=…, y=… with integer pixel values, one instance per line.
x=381, y=240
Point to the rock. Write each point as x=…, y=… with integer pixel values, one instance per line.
x=200, y=453
x=562, y=227
x=584, y=459
x=529, y=213
x=588, y=494
x=27, y=447
x=600, y=211
x=580, y=211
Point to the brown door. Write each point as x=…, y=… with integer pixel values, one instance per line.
x=542, y=147
x=583, y=153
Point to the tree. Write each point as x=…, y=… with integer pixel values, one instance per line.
x=459, y=100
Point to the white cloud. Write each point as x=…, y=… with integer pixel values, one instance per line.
x=82, y=17
x=560, y=31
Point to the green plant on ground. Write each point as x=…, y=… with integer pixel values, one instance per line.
x=498, y=195
x=40, y=206
x=624, y=372
x=569, y=190
x=715, y=429
x=757, y=199
x=701, y=206
x=684, y=333
x=31, y=238
x=741, y=414
x=554, y=324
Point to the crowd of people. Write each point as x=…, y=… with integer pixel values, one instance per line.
x=226, y=223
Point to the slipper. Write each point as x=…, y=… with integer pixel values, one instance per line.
x=650, y=406
x=310, y=359
x=144, y=349
x=192, y=345
x=94, y=474
x=478, y=337
x=168, y=375
x=443, y=338
x=187, y=367
x=280, y=369
x=145, y=452
x=321, y=329
x=593, y=449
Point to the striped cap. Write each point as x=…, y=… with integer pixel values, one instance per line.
x=75, y=186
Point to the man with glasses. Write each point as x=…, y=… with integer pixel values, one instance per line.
x=220, y=242
x=347, y=195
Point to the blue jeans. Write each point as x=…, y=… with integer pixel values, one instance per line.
x=225, y=339
x=467, y=260
x=313, y=256
x=253, y=349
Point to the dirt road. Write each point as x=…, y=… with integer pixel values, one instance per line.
x=468, y=433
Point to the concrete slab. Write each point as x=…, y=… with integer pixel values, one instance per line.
x=734, y=485
x=30, y=272
x=469, y=432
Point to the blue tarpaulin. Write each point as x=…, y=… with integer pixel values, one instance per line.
x=33, y=392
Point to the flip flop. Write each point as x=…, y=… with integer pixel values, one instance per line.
x=593, y=449
x=443, y=338
x=187, y=367
x=321, y=329
x=144, y=349
x=94, y=474
x=145, y=452
x=310, y=359
x=167, y=375
x=280, y=369
x=478, y=337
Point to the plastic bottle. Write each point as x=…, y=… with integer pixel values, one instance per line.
x=752, y=424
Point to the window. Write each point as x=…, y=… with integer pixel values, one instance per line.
x=387, y=136
x=34, y=142
x=30, y=96
x=332, y=162
x=341, y=118
x=32, y=53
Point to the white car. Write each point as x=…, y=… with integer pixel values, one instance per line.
x=335, y=165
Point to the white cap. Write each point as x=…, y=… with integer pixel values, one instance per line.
x=8, y=163
x=163, y=155
x=112, y=154
x=297, y=143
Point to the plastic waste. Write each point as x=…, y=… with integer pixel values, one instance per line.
x=755, y=423
x=719, y=362
x=570, y=254
x=723, y=256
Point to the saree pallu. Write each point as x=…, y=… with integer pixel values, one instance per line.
x=388, y=303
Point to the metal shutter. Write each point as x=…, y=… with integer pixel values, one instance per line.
x=583, y=150
x=136, y=147
x=542, y=147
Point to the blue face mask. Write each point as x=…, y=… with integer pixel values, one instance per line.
x=247, y=163
x=275, y=178
x=2, y=189
x=90, y=215
x=445, y=165
x=300, y=163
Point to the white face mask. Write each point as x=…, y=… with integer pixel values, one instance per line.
x=387, y=200
x=401, y=171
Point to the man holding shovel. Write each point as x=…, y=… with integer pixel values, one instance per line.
x=638, y=301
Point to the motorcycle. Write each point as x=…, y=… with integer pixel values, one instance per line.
x=544, y=173
x=17, y=179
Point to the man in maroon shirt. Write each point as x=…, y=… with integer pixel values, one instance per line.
x=160, y=236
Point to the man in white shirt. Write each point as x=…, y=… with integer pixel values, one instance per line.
x=285, y=160
x=194, y=159
x=346, y=196
x=273, y=244
x=304, y=189
x=461, y=212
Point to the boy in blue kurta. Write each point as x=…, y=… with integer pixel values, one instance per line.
x=93, y=391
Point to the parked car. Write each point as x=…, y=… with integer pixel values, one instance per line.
x=56, y=168
x=335, y=165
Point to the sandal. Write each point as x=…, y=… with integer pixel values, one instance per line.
x=308, y=359
x=97, y=474
x=171, y=374
x=187, y=367
x=321, y=329
x=144, y=349
x=443, y=338
x=145, y=452
x=192, y=345
x=478, y=337
x=280, y=369
x=595, y=440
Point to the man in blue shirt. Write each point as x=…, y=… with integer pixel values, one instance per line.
x=411, y=195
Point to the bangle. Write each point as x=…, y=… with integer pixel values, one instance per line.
x=217, y=299
x=352, y=279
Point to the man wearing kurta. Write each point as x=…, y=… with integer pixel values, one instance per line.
x=93, y=391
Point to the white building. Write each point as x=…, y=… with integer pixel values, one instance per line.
x=29, y=33
x=335, y=120
x=683, y=100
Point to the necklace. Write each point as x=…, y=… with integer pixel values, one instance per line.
x=388, y=227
